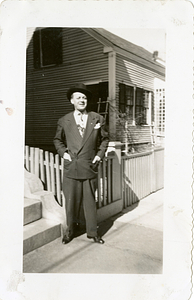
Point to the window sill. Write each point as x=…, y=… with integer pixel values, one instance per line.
x=47, y=67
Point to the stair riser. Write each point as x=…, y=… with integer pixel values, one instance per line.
x=41, y=238
x=32, y=213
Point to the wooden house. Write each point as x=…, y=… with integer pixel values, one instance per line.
x=123, y=77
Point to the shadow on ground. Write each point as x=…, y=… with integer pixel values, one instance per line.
x=105, y=225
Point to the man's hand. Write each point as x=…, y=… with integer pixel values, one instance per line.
x=96, y=158
x=67, y=156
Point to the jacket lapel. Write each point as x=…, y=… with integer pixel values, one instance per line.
x=72, y=126
x=89, y=128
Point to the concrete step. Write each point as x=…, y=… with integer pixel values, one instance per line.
x=32, y=210
x=39, y=233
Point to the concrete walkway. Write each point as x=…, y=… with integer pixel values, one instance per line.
x=133, y=245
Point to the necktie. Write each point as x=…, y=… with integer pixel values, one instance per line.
x=81, y=125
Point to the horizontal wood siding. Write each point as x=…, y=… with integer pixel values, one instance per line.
x=134, y=74
x=142, y=59
x=46, y=102
x=136, y=135
x=130, y=73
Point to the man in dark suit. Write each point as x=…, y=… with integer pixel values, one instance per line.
x=81, y=139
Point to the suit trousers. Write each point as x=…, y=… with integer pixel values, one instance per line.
x=80, y=203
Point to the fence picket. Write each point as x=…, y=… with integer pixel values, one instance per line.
x=32, y=160
x=58, y=183
x=62, y=168
x=36, y=162
x=104, y=182
x=42, y=173
x=134, y=176
x=52, y=173
x=124, y=182
x=109, y=179
x=61, y=172
x=27, y=158
x=131, y=182
x=141, y=173
x=62, y=202
x=48, y=184
x=99, y=191
x=128, y=184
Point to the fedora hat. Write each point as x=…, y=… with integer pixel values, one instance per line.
x=79, y=87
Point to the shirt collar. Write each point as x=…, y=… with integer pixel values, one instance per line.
x=77, y=112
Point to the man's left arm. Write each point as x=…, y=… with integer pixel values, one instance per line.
x=104, y=140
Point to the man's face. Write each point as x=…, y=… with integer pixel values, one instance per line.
x=79, y=101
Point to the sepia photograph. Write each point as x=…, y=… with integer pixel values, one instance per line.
x=96, y=117
x=94, y=151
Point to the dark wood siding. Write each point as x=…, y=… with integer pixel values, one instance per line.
x=46, y=102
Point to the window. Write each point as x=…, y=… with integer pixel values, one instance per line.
x=47, y=44
x=126, y=95
x=160, y=111
x=137, y=103
x=139, y=107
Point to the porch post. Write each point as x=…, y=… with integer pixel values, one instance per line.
x=134, y=95
x=114, y=150
x=112, y=93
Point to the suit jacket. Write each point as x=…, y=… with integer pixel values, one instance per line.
x=81, y=150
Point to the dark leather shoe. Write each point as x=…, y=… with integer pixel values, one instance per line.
x=97, y=239
x=67, y=239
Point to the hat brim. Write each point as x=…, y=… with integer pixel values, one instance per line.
x=84, y=91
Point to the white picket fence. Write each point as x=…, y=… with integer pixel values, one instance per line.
x=49, y=168
x=142, y=174
x=138, y=175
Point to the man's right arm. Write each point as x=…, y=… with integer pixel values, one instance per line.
x=60, y=141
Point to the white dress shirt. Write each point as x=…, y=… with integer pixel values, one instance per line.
x=81, y=120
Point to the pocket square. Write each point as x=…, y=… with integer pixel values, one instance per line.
x=97, y=126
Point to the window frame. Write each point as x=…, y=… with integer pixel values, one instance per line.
x=160, y=111
x=123, y=102
x=38, y=52
x=145, y=107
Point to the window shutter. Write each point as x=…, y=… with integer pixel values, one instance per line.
x=129, y=95
x=122, y=97
x=153, y=108
x=145, y=99
x=36, y=49
x=139, y=97
x=103, y=105
x=138, y=106
x=47, y=44
x=58, y=47
x=51, y=46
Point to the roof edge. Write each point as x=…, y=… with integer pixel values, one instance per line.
x=95, y=33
